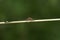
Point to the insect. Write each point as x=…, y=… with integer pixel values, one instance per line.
x=29, y=18
x=6, y=22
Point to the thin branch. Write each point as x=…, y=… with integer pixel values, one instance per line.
x=41, y=20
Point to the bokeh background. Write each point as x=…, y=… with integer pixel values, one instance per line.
x=12, y=10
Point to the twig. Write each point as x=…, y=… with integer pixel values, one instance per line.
x=41, y=20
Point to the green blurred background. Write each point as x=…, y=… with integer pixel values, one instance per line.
x=12, y=10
